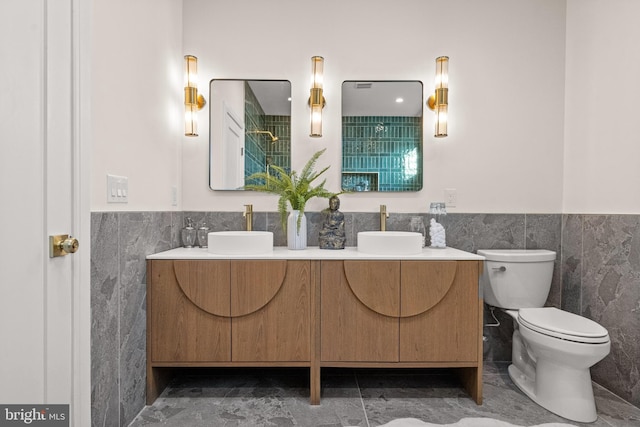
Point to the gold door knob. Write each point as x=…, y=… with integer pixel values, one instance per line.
x=62, y=244
x=70, y=245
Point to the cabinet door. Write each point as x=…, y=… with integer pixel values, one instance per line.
x=271, y=309
x=440, y=311
x=360, y=305
x=188, y=303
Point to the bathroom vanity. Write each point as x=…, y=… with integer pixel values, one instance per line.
x=314, y=308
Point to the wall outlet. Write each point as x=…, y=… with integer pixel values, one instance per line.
x=450, y=197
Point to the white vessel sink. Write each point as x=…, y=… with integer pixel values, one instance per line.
x=390, y=242
x=240, y=242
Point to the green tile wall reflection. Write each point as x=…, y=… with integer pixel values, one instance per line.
x=260, y=151
x=381, y=153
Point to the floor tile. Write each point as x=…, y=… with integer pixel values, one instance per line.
x=354, y=397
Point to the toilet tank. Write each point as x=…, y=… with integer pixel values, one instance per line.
x=516, y=278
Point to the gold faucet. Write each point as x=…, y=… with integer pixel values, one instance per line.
x=248, y=215
x=383, y=217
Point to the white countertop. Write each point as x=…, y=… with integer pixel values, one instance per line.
x=315, y=253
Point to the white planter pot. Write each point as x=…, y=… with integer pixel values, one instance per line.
x=296, y=239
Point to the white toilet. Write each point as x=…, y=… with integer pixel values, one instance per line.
x=552, y=349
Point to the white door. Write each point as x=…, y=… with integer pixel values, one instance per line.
x=232, y=151
x=44, y=302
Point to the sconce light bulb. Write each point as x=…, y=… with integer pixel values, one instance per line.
x=442, y=81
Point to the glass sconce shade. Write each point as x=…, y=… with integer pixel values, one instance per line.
x=316, y=100
x=316, y=120
x=439, y=102
x=441, y=121
x=317, y=65
x=190, y=71
x=190, y=95
x=442, y=72
x=191, y=119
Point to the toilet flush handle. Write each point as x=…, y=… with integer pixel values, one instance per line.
x=501, y=268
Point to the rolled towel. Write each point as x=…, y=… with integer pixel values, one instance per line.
x=437, y=234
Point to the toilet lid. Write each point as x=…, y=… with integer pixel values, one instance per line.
x=563, y=325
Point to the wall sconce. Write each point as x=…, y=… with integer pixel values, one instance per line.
x=316, y=100
x=439, y=102
x=192, y=101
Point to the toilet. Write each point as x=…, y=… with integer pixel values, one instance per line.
x=553, y=350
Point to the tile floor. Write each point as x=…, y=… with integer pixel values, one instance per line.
x=353, y=397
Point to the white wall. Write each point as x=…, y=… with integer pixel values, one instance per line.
x=137, y=101
x=504, y=152
x=602, y=128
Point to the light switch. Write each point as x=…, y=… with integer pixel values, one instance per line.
x=117, y=189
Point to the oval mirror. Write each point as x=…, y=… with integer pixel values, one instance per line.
x=249, y=129
x=382, y=135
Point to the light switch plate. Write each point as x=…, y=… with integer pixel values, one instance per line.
x=117, y=189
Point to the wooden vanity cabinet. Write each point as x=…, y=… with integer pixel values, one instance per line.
x=441, y=318
x=226, y=313
x=403, y=314
x=314, y=313
x=359, y=306
x=178, y=330
x=270, y=311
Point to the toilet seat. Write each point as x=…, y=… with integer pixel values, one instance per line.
x=563, y=325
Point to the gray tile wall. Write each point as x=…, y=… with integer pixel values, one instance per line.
x=597, y=275
x=601, y=281
x=120, y=242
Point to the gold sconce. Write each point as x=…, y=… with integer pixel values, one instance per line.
x=316, y=100
x=192, y=101
x=439, y=102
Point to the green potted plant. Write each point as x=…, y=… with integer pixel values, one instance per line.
x=294, y=189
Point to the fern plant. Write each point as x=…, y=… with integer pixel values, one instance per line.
x=294, y=189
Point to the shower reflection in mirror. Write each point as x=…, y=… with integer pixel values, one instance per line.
x=250, y=130
x=382, y=135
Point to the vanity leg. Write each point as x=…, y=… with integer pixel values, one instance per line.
x=314, y=369
x=472, y=381
x=157, y=381
x=472, y=377
x=315, y=385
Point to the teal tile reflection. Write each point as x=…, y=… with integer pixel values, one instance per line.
x=381, y=153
